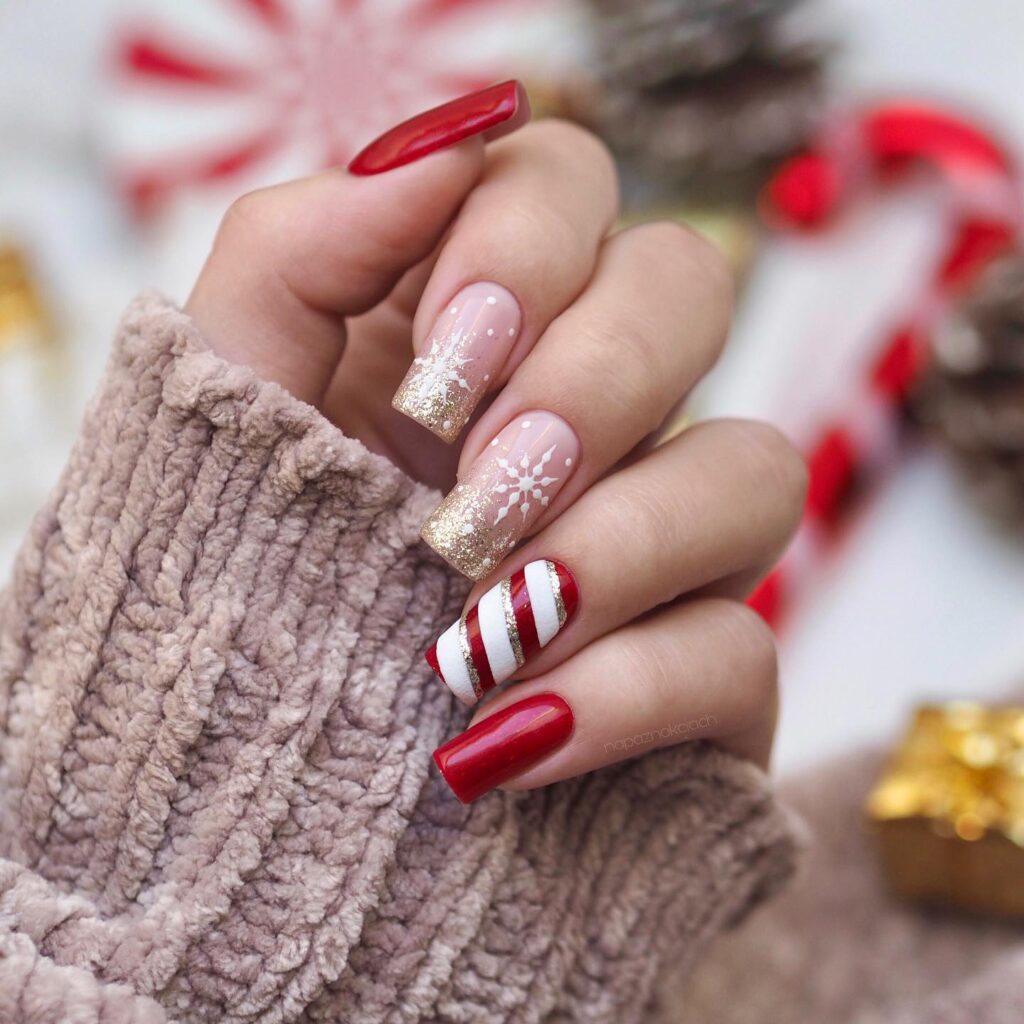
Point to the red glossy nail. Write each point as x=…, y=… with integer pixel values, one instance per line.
x=504, y=745
x=492, y=112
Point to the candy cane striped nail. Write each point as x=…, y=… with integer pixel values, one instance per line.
x=509, y=625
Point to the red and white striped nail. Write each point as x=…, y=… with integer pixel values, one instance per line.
x=507, y=627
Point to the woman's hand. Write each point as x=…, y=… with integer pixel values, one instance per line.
x=480, y=283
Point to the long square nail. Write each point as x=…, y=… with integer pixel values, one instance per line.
x=504, y=745
x=504, y=493
x=491, y=112
x=466, y=349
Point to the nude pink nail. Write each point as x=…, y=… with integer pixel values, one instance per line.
x=465, y=351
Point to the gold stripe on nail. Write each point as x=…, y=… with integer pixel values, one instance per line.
x=510, y=621
x=467, y=656
x=556, y=590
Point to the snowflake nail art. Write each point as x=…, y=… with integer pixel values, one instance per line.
x=469, y=343
x=504, y=493
x=525, y=485
x=442, y=368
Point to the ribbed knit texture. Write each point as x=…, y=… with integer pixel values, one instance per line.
x=216, y=795
x=839, y=948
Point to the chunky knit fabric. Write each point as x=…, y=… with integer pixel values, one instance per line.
x=839, y=948
x=216, y=796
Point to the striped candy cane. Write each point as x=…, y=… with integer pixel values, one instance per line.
x=982, y=184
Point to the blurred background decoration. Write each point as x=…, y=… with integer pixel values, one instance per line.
x=705, y=95
x=129, y=125
x=973, y=396
x=948, y=813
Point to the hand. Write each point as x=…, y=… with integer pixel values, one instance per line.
x=611, y=575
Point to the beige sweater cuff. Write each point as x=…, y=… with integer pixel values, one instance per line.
x=216, y=796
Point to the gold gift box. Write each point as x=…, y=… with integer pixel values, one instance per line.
x=949, y=810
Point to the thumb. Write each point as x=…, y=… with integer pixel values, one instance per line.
x=291, y=262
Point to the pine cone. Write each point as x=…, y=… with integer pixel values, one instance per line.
x=973, y=396
x=707, y=93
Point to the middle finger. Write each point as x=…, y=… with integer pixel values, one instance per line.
x=603, y=377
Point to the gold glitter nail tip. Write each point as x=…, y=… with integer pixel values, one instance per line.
x=504, y=493
x=441, y=418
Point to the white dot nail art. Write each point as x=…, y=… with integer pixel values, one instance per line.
x=490, y=332
x=568, y=463
x=447, y=425
x=491, y=300
x=511, y=332
x=453, y=310
x=527, y=424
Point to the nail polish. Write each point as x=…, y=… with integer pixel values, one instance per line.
x=514, y=620
x=503, y=493
x=491, y=112
x=504, y=745
x=467, y=348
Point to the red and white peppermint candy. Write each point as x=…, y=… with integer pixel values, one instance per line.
x=508, y=626
x=242, y=93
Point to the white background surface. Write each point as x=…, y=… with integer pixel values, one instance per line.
x=923, y=599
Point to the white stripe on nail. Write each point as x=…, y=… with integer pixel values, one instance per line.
x=500, y=655
x=545, y=611
x=453, y=664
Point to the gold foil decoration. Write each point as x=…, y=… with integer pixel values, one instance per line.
x=949, y=809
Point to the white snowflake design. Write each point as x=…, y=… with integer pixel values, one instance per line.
x=526, y=483
x=442, y=367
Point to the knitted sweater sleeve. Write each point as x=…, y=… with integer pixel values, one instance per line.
x=216, y=795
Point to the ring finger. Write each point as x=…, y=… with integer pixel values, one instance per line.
x=708, y=506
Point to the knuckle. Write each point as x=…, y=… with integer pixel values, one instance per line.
x=773, y=460
x=613, y=335
x=621, y=359
x=651, y=513
x=248, y=219
x=672, y=253
x=531, y=226
x=652, y=665
x=753, y=642
x=677, y=250
x=577, y=143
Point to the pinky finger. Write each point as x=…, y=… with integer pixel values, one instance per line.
x=702, y=669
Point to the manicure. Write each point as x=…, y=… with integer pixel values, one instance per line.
x=509, y=625
x=504, y=745
x=467, y=347
x=491, y=112
x=503, y=494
